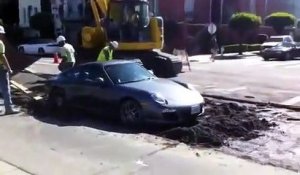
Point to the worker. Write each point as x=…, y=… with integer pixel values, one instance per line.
x=67, y=53
x=214, y=48
x=106, y=53
x=5, y=70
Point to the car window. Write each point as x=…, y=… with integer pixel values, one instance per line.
x=127, y=73
x=275, y=40
x=93, y=72
x=52, y=45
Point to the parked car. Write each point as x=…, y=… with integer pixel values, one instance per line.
x=283, y=51
x=39, y=46
x=275, y=40
x=127, y=90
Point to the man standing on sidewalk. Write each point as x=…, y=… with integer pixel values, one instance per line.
x=214, y=48
x=5, y=70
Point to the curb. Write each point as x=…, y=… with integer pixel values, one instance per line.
x=275, y=105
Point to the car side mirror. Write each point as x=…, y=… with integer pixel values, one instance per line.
x=100, y=81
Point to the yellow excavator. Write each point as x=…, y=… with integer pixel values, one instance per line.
x=139, y=33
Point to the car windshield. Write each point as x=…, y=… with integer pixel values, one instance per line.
x=127, y=73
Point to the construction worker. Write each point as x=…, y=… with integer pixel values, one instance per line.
x=5, y=70
x=67, y=53
x=106, y=53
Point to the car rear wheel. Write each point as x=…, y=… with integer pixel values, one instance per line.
x=41, y=51
x=56, y=99
x=21, y=50
x=130, y=112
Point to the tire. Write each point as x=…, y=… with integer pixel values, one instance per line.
x=41, y=51
x=57, y=99
x=130, y=112
x=21, y=50
x=266, y=58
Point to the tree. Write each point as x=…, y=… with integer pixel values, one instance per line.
x=280, y=20
x=44, y=23
x=242, y=23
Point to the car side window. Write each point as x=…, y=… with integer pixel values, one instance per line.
x=93, y=73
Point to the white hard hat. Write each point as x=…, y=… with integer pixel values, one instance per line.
x=114, y=44
x=2, y=31
x=60, y=39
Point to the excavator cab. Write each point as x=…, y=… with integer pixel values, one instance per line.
x=127, y=21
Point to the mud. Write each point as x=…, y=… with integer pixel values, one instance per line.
x=221, y=121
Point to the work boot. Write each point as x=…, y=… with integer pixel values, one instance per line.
x=11, y=111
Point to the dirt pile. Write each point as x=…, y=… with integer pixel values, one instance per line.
x=222, y=120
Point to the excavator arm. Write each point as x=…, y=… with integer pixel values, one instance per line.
x=99, y=5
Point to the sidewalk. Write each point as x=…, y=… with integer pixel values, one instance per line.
x=8, y=169
x=205, y=57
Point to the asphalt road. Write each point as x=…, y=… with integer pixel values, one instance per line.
x=248, y=78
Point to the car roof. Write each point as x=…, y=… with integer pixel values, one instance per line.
x=112, y=62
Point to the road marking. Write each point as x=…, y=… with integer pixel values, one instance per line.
x=292, y=101
x=236, y=89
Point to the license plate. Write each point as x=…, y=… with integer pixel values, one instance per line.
x=195, y=109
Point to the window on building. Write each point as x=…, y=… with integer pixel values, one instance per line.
x=189, y=9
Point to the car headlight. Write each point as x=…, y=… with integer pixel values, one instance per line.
x=158, y=98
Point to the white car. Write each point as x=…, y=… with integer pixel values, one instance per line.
x=39, y=46
x=275, y=40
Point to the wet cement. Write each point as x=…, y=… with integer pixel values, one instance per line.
x=223, y=120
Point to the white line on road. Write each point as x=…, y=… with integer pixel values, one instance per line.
x=292, y=101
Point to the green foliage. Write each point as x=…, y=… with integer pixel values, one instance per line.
x=235, y=48
x=242, y=22
x=44, y=23
x=280, y=20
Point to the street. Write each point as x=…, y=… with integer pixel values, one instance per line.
x=249, y=78
x=92, y=146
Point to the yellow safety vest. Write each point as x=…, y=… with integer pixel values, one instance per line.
x=106, y=54
x=2, y=51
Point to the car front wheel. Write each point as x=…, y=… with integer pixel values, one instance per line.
x=266, y=58
x=130, y=112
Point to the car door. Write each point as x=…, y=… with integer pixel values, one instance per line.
x=51, y=48
x=97, y=90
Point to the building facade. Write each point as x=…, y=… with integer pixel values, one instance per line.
x=220, y=11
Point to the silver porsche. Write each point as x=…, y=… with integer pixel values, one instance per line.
x=125, y=89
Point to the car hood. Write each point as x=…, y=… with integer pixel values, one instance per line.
x=174, y=93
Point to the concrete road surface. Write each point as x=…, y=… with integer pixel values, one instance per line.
x=43, y=146
x=251, y=77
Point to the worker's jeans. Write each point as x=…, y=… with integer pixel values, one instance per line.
x=5, y=88
x=63, y=66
